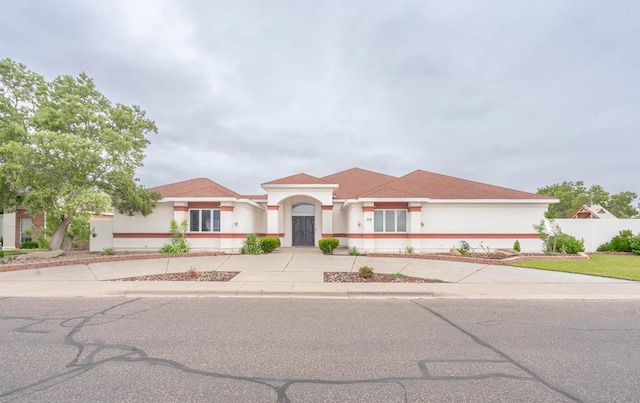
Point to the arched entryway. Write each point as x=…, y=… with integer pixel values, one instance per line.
x=303, y=224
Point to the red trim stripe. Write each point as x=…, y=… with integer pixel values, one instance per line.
x=399, y=235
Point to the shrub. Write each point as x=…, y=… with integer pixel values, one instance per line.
x=178, y=243
x=192, y=273
x=109, y=251
x=621, y=242
x=251, y=246
x=516, y=246
x=354, y=251
x=269, y=244
x=1, y=254
x=410, y=250
x=605, y=247
x=634, y=244
x=365, y=272
x=566, y=243
x=29, y=245
x=327, y=245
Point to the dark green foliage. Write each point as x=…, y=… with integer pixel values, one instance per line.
x=573, y=195
x=625, y=241
x=251, y=246
x=29, y=245
x=327, y=245
x=516, y=246
x=269, y=244
x=566, y=243
x=365, y=272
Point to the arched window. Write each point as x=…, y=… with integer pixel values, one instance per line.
x=303, y=208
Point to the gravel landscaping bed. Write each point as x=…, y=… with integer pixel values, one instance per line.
x=188, y=276
x=353, y=277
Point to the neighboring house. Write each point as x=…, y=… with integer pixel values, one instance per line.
x=18, y=227
x=591, y=211
x=365, y=209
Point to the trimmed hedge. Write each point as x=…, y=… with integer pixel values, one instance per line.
x=269, y=244
x=327, y=245
x=29, y=245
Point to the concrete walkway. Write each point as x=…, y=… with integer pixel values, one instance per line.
x=299, y=273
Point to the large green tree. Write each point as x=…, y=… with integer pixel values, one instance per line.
x=573, y=195
x=66, y=150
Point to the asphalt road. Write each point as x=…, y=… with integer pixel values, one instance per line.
x=306, y=350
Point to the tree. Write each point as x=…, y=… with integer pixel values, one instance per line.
x=65, y=149
x=573, y=195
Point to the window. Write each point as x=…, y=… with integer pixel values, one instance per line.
x=390, y=220
x=303, y=208
x=204, y=220
x=26, y=227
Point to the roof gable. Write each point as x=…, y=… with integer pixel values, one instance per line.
x=356, y=181
x=199, y=187
x=437, y=186
x=298, y=179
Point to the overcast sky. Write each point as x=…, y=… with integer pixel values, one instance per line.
x=512, y=93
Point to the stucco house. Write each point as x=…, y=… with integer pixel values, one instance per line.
x=369, y=210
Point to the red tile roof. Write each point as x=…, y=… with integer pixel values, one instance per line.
x=436, y=186
x=200, y=187
x=298, y=179
x=356, y=181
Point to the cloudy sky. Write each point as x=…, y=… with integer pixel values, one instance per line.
x=513, y=93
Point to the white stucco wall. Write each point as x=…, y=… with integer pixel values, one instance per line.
x=596, y=232
x=103, y=230
x=157, y=222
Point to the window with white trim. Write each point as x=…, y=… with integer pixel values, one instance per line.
x=390, y=220
x=26, y=228
x=204, y=220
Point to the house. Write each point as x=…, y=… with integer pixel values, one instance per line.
x=18, y=227
x=592, y=211
x=369, y=210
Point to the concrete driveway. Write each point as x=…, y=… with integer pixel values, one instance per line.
x=299, y=273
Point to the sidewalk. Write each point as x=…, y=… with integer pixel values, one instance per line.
x=299, y=273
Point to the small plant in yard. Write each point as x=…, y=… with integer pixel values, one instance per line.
x=354, y=251
x=251, y=246
x=327, y=245
x=409, y=249
x=554, y=240
x=269, y=244
x=516, y=246
x=398, y=275
x=178, y=242
x=192, y=273
x=365, y=272
x=109, y=251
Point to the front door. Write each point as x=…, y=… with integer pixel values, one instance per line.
x=303, y=231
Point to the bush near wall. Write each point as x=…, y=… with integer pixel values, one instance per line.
x=327, y=245
x=625, y=241
x=29, y=245
x=269, y=244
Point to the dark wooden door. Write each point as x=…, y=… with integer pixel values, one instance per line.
x=303, y=231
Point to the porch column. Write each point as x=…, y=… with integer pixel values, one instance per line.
x=227, y=226
x=327, y=221
x=9, y=231
x=415, y=224
x=272, y=220
x=368, y=243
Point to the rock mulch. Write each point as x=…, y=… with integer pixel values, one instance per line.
x=353, y=277
x=188, y=276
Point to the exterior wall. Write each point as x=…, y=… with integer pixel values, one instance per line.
x=285, y=218
x=595, y=232
x=103, y=230
x=11, y=228
x=136, y=233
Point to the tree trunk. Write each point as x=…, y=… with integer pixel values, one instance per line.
x=58, y=235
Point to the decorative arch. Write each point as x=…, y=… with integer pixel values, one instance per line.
x=303, y=208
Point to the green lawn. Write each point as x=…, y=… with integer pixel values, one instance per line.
x=22, y=251
x=626, y=267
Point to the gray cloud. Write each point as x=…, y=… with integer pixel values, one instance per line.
x=514, y=94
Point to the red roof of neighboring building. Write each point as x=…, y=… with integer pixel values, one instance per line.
x=355, y=181
x=298, y=179
x=200, y=187
x=436, y=186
